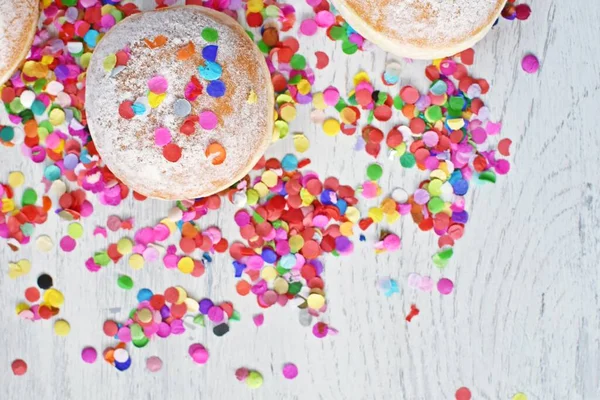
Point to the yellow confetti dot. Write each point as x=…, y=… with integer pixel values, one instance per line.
x=136, y=261
x=319, y=101
x=7, y=205
x=280, y=285
x=456, y=123
x=16, y=179
x=62, y=327
x=438, y=174
x=192, y=305
x=331, y=127
x=296, y=243
x=124, y=246
x=255, y=6
x=287, y=112
x=348, y=116
x=269, y=178
x=306, y=197
x=186, y=265
x=268, y=274
x=361, y=77
x=252, y=97
x=392, y=217
x=346, y=229
x=169, y=224
x=315, y=301
x=144, y=315
x=303, y=87
x=280, y=130
x=109, y=62
x=21, y=307
x=20, y=268
x=401, y=149
x=54, y=297
x=261, y=189
x=301, y=143
x=182, y=295
x=56, y=116
x=353, y=214
x=376, y=214
x=35, y=69
x=155, y=100
x=388, y=206
x=519, y=396
x=85, y=59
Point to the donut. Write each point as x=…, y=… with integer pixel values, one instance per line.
x=179, y=102
x=18, y=23
x=421, y=29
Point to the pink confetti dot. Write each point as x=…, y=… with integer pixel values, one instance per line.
x=308, y=27
x=89, y=355
x=290, y=371
x=325, y=19
x=67, y=244
x=208, y=120
x=445, y=286
x=158, y=84
x=162, y=136
x=258, y=319
x=530, y=64
x=241, y=374
x=154, y=364
x=198, y=353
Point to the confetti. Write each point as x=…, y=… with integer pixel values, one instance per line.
x=530, y=64
x=19, y=367
x=198, y=353
x=290, y=371
x=154, y=364
x=89, y=355
x=62, y=327
x=463, y=393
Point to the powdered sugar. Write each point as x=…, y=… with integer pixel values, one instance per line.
x=128, y=146
x=18, y=19
x=432, y=23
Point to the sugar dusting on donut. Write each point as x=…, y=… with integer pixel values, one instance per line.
x=433, y=23
x=18, y=20
x=129, y=146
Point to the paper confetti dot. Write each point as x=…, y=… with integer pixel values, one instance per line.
x=19, y=367
x=44, y=243
x=463, y=393
x=125, y=282
x=89, y=355
x=154, y=364
x=519, y=396
x=290, y=371
x=62, y=327
x=530, y=64
x=254, y=380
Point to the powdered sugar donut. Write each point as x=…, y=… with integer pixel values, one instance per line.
x=179, y=102
x=18, y=22
x=423, y=29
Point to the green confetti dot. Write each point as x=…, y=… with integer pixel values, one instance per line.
x=407, y=160
x=254, y=380
x=102, y=258
x=7, y=133
x=436, y=205
x=298, y=62
x=210, y=35
x=374, y=171
x=75, y=230
x=125, y=282
x=141, y=342
x=349, y=47
x=337, y=33
x=433, y=114
x=29, y=197
x=488, y=176
x=398, y=103
x=199, y=320
x=295, y=287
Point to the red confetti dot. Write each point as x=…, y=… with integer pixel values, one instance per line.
x=126, y=110
x=322, y=60
x=19, y=367
x=463, y=394
x=172, y=152
x=504, y=147
x=32, y=294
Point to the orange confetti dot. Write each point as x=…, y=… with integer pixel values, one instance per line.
x=158, y=41
x=217, y=151
x=243, y=287
x=185, y=53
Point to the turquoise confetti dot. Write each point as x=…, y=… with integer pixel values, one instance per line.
x=52, y=172
x=211, y=71
x=38, y=108
x=7, y=133
x=289, y=162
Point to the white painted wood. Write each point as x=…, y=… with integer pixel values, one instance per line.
x=524, y=316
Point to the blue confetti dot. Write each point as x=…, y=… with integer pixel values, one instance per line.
x=268, y=256
x=239, y=268
x=91, y=38
x=326, y=197
x=461, y=187
x=123, y=366
x=342, y=205
x=289, y=162
x=362, y=238
x=211, y=71
x=138, y=108
x=216, y=88
x=210, y=52
x=144, y=295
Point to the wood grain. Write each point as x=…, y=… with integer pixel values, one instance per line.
x=524, y=315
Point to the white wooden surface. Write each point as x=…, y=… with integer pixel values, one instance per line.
x=524, y=315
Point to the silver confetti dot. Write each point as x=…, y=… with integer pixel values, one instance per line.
x=182, y=108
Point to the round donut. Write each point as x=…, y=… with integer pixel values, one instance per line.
x=18, y=23
x=421, y=29
x=179, y=102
